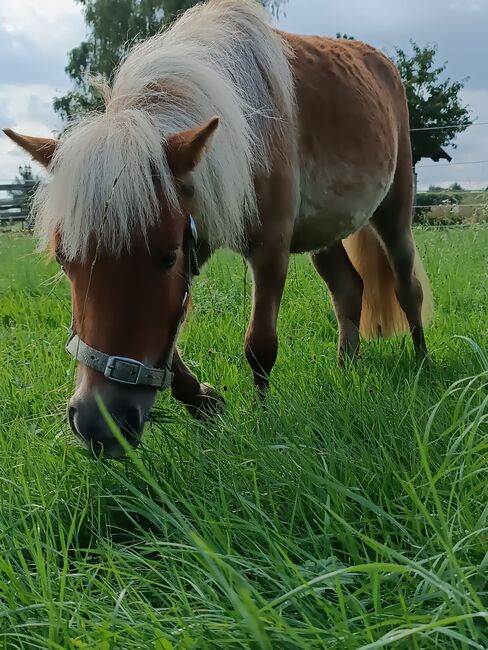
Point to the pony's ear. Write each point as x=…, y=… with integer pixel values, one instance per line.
x=41, y=149
x=186, y=149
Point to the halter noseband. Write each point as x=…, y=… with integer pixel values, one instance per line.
x=131, y=372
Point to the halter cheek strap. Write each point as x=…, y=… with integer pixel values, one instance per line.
x=124, y=370
x=120, y=369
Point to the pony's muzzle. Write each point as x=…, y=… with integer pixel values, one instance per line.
x=94, y=428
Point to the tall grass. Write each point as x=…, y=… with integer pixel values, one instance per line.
x=348, y=511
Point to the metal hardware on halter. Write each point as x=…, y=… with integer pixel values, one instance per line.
x=124, y=370
x=194, y=266
x=193, y=228
x=127, y=371
x=121, y=370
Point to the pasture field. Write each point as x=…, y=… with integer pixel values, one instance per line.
x=471, y=210
x=349, y=511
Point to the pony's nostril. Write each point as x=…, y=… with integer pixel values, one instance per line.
x=71, y=419
x=131, y=425
x=95, y=447
x=88, y=424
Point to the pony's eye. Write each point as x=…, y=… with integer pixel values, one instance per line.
x=168, y=260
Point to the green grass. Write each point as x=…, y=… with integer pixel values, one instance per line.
x=351, y=511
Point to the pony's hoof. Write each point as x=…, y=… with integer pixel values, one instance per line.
x=207, y=404
x=424, y=359
x=348, y=358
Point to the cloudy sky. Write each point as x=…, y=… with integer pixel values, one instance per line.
x=36, y=36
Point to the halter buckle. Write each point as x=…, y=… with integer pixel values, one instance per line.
x=123, y=370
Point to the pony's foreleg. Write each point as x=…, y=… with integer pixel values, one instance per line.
x=201, y=400
x=269, y=265
x=268, y=256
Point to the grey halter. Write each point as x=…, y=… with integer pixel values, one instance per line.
x=120, y=369
x=124, y=370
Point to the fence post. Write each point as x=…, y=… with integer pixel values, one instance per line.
x=30, y=188
x=17, y=208
x=414, y=179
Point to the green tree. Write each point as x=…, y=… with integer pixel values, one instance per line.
x=112, y=25
x=21, y=198
x=456, y=187
x=434, y=101
x=27, y=180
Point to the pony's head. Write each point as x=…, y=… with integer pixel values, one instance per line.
x=129, y=290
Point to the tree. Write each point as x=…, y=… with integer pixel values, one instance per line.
x=434, y=102
x=112, y=25
x=456, y=187
x=28, y=182
x=21, y=198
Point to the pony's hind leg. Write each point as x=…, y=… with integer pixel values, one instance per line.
x=392, y=222
x=346, y=287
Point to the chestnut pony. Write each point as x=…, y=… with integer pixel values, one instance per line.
x=270, y=144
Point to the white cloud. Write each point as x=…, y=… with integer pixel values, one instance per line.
x=5, y=120
x=471, y=7
x=328, y=17
x=51, y=25
x=26, y=109
x=36, y=36
x=29, y=105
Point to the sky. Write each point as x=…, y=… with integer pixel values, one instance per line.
x=35, y=38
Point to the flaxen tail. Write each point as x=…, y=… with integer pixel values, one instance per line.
x=381, y=314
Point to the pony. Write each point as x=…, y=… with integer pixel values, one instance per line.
x=224, y=132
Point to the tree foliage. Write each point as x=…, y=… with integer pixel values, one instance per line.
x=453, y=187
x=112, y=26
x=27, y=180
x=434, y=101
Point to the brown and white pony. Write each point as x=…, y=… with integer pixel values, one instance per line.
x=276, y=144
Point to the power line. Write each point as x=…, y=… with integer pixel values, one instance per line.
x=446, y=166
x=449, y=191
x=448, y=126
x=451, y=205
x=440, y=226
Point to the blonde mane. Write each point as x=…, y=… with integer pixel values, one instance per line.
x=221, y=58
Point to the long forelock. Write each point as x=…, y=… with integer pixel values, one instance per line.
x=211, y=62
